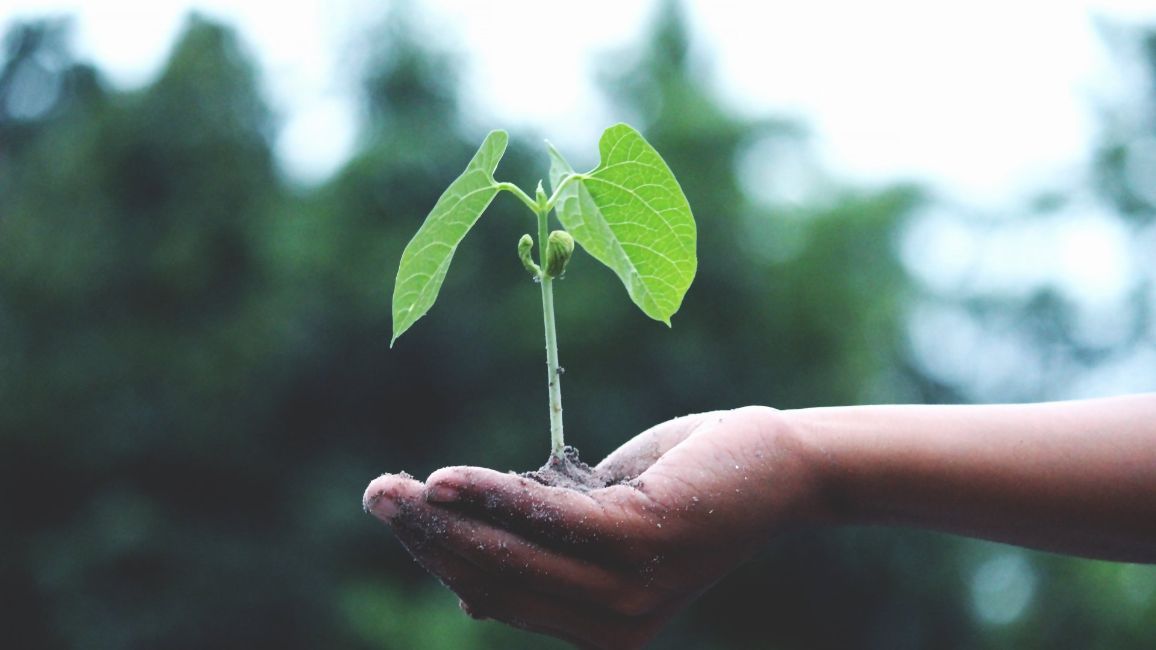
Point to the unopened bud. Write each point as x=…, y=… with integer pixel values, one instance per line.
x=525, y=246
x=540, y=194
x=559, y=248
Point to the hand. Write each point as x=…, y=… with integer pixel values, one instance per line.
x=694, y=497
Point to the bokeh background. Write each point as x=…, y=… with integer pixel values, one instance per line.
x=195, y=377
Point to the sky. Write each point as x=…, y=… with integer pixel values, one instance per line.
x=983, y=100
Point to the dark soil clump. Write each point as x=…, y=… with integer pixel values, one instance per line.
x=569, y=472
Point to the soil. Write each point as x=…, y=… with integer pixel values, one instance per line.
x=570, y=472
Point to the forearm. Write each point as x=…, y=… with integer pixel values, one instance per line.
x=1072, y=477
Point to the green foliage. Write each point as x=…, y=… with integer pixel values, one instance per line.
x=630, y=214
x=428, y=255
x=194, y=388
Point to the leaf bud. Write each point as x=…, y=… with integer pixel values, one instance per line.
x=525, y=246
x=559, y=248
x=540, y=196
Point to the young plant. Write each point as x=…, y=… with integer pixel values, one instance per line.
x=629, y=213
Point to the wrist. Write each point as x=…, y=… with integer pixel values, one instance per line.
x=795, y=469
x=827, y=500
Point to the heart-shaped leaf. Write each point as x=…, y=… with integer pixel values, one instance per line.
x=630, y=213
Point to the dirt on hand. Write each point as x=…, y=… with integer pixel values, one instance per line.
x=570, y=472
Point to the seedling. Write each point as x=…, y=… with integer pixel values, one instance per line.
x=629, y=213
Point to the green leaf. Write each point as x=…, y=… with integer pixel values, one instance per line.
x=629, y=213
x=428, y=255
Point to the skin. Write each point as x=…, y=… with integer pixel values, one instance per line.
x=702, y=493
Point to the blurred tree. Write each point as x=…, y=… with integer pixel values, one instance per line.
x=1126, y=160
x=196, y=385
x=1082, y=322
x=133, y=338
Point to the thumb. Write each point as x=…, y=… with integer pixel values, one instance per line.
x=640, y=452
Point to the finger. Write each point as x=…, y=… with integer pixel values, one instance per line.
x=487, y=596
x=519, y=561
x=640, y=452
x=502, y=553
x=556, y=517
x=388, y=494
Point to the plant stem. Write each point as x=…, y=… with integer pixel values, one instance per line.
x=522, y=196
x=553, y=370
x=566, y=180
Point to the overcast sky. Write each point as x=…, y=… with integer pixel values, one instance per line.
x=983, y=99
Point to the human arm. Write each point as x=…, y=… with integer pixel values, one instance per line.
x=606, y=569
x=1073, y=477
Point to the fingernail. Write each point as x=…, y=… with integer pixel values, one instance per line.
x=441, y=494
x=381, y=506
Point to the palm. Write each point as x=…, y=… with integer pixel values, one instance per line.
x=605, y=568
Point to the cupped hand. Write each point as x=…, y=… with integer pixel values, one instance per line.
x=690, y=500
